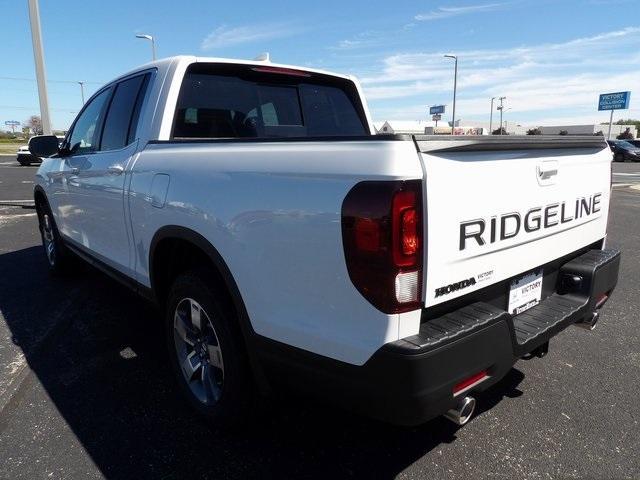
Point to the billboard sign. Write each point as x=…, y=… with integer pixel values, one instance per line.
x=614, y=101
x=436, y=110
x=436, y=117
x=12, y=123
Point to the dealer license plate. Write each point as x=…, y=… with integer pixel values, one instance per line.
x=525, y=292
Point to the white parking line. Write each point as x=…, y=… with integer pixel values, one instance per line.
x=27, y=181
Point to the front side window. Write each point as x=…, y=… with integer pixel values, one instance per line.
x=86, y=131
x=222, y=101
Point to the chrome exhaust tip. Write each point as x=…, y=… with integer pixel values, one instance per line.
x=589, y=323
x=462, y=412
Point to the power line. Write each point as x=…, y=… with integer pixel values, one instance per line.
x=20, y=79
x=36, y=108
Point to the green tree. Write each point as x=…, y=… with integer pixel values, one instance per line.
x=498, y=130
x=534, y=131
x=626, y=135
x=563, y=132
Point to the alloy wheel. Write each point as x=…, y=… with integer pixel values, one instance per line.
x=198, y=351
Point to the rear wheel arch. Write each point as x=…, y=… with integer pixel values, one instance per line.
x=175, y=249
x=196, y=251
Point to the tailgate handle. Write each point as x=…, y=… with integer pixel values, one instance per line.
x=548, y=169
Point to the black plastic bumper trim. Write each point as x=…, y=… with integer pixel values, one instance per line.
x=409, y=381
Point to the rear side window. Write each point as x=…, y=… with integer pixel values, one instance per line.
x=120, y=118
x=222, y=101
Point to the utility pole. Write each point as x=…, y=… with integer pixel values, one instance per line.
x=38, y=56
x=82, y=91
x=491, y=117
x=455, y=85
x=501, y=107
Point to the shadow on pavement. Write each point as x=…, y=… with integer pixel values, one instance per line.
x=105, y=369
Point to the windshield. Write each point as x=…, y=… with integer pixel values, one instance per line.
x=625, y=145
x=230, y=101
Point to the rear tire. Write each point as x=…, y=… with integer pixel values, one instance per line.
x=59, y=258
x=206, y=351
x=24, y=163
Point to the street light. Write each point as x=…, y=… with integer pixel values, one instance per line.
x=455, y=84
x=501, y=107
x=491, y=117
x=82, y=91
x=153, y=43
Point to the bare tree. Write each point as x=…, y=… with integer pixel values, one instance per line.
x=35, y=124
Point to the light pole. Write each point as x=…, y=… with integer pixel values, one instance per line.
x=491, y=117
x=153, y=43
x=455, y=85
x=501, y=107
x=82, y=91
x=38, y=56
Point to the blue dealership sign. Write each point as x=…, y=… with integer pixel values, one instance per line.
x=614, y=101
x=436, y=109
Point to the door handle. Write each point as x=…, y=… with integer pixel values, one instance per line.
x=115, y=169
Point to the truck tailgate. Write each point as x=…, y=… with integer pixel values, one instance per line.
x=498, y=208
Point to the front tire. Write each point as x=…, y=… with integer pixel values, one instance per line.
x=59, y=258
x=618, y=157
x=206, y=351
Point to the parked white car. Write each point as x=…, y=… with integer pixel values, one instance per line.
x=25, y=157
x=288, y=246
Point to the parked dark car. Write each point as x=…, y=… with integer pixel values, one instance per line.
x=634, y=142
x=624, y=151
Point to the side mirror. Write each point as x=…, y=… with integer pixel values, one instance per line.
x=44, y=145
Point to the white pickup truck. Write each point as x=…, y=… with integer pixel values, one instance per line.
x=289, y=246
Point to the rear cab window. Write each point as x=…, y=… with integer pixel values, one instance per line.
x=244, y=101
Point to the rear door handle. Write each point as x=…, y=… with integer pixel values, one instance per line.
x=115, y=169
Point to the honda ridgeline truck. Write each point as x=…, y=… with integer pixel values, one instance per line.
x=288, y=245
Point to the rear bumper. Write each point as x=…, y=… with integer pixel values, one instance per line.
x=412, y=380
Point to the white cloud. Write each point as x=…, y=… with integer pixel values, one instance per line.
x=545, y=81
x=444, y=12
x=225, y=36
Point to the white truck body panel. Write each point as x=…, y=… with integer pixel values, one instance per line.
x=273, y=210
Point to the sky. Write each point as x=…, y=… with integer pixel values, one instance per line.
x=549, y=58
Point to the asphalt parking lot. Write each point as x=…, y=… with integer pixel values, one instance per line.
x=85, y=390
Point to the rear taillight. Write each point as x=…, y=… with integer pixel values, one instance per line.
x=383, y=244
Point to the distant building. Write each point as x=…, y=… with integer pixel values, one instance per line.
x=415, y=127
x=590, y=129
x=463, y=127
